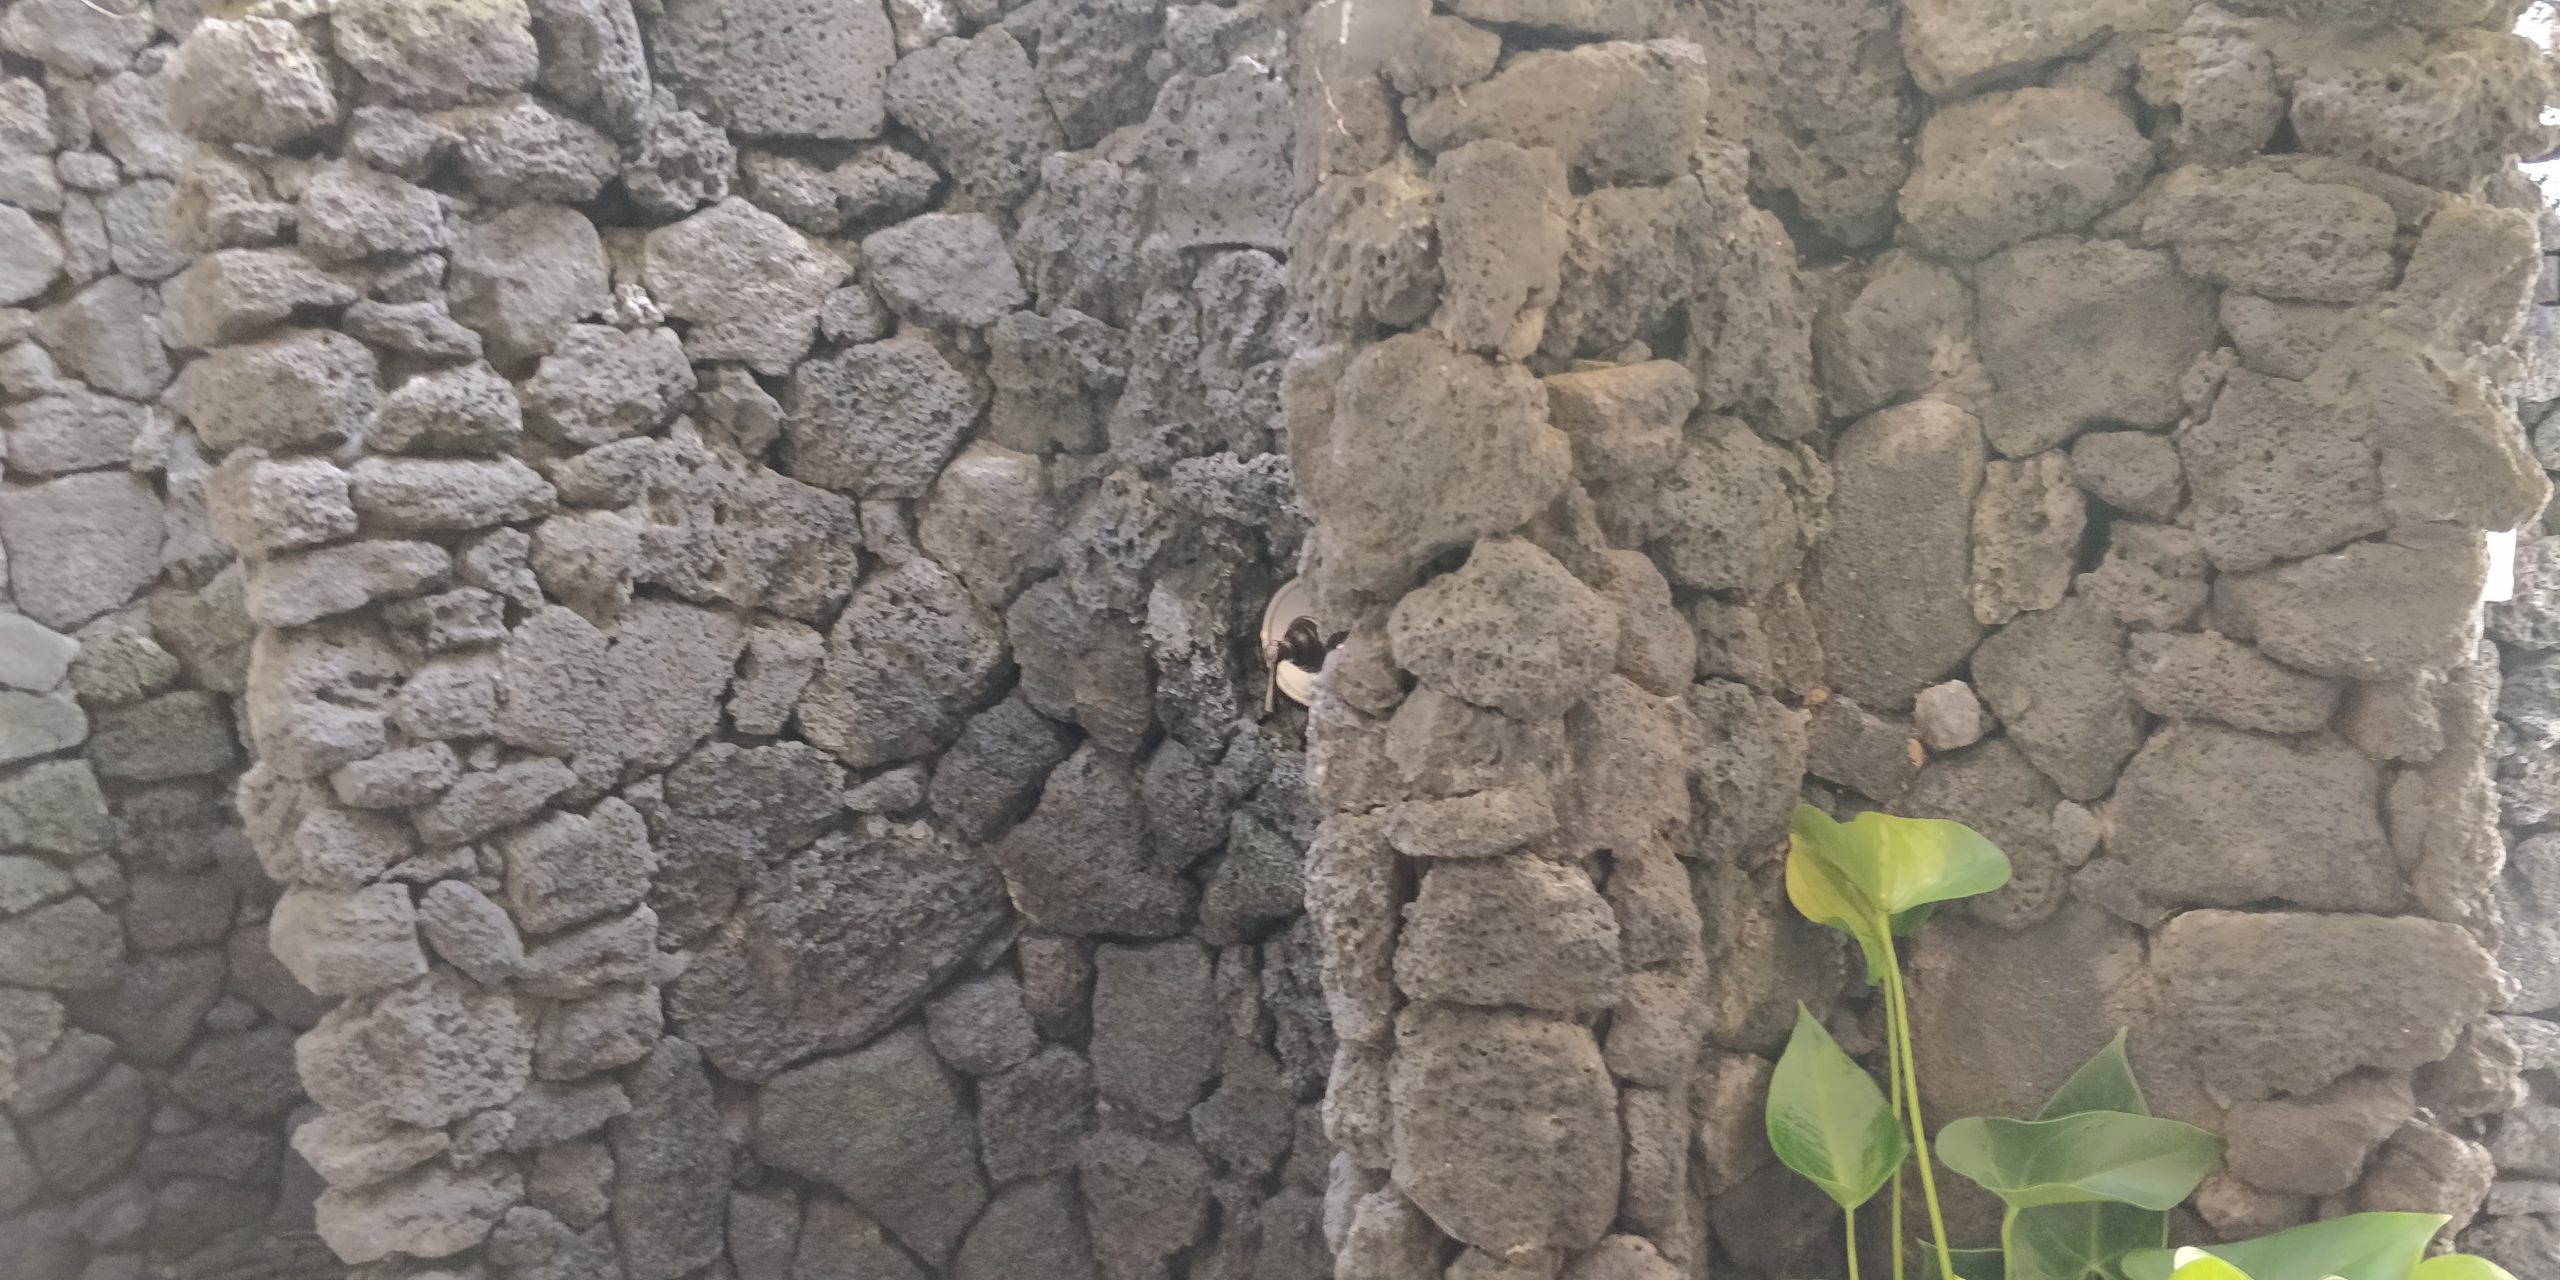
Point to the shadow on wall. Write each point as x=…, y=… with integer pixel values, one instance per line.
x=749, y=521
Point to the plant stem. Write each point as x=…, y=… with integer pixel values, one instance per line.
x=1850, y=1216
x=1898, y=1030
x=2008, y=1235
x=1893, y=1090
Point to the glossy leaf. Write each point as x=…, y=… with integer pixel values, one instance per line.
x=1822, y=894
x=2460, y=1266
x=2196, y=1264
x=2096, y=1156
x=2361, y=1246
x=1828, y=1120
x=2080, y=1241
x=1900, y=864
x=2104, y=1083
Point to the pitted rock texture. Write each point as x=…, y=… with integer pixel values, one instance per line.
x=738, y=575
x=727, y=536
x=2146, y=339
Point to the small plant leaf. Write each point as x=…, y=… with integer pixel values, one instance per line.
x=1828, y=1120
x=1879, y=876
x=2081, y=1159
x=2196, y=1264
x=1901, y=864
x=2080, y=1241
x=1824, y=895
x=2360, y=1246
x=2460, y=1266
x=2104, y=1083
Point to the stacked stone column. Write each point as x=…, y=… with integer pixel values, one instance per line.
x=1555, y=334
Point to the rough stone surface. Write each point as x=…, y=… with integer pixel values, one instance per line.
x=2057, y=680
x=1508, y=1129
x=80, y=545
x=885, y=1126
x=1888, y=585
x=1510, y=931
x=2374, y=610
x=771, y=987
x=2007, y=167
x=1512, y=630
x=2288, y=1002
x=2204, y=676
x=2076, y=333
x=780, y=68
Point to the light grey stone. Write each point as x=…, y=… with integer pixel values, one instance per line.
x=255, y=81
x=33, y=656
x=523, y=152
x=976, y=104
x=876, y=420
x=80, y=545
x=749, y=286
x=427, y=1053
x=601, y=384
x=783, y=68
x=948, y=270
x=433, y=1212
x=521, y=277
x=295, y=388
x=346, y=943
x=348, y=212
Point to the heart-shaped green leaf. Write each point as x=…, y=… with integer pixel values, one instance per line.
x=1878, y=876
x=1899, y=864
x=1825, y=896
x=2081, y=1241
x=2360, y=1246
x=2096, y=1156
x=2104, y=1083
x=2460, y=1266
x=1828, y=1120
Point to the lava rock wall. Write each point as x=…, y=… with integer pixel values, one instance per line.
x=2521, y=1213
x=751, y=519
x=146, y=1030
x=2084, y=423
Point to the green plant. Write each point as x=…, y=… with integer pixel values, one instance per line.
x=1829, y=1122
x=2361, y=1246
x=1877, y=878
x=2083, y=1184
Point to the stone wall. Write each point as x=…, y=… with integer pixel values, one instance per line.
x=146, y=1031
x=753, y=517
x=2090, y=436
x=2522, y=1211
